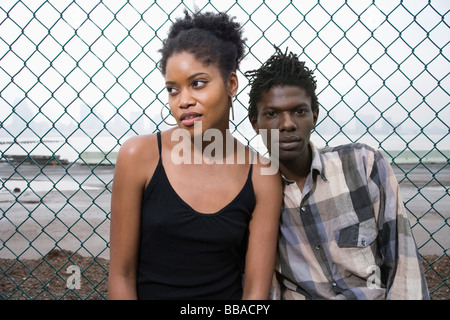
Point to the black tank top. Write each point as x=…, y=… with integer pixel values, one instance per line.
x=185, y=254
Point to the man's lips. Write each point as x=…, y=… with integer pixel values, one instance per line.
x=188, y=118
x=289, y=143
x=289, y=139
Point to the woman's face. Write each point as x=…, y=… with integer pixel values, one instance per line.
x=197, y=92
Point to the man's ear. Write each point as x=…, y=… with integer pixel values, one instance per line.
x=255, y=125
x=315, y=116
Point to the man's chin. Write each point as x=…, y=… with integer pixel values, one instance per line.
x=288, y=155
x=285, y=155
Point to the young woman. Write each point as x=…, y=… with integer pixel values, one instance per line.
x=191, y=229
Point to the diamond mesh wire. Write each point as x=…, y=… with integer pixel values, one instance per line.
x=78, y=78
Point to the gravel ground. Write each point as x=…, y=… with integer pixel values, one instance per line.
x=48, y=277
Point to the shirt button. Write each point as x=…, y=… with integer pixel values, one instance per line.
x=317, y=247
x=364, y=242
x=303, y=209
x=334, y=284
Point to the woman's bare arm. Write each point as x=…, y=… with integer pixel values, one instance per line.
x=263, y=235
x=130, y=178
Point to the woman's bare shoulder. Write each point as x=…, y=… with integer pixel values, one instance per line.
x=139, y=149
x=266, y=176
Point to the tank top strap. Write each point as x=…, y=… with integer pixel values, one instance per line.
x=251, y=164
x=158, y=135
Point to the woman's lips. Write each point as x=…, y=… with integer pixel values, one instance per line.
x=189, y=118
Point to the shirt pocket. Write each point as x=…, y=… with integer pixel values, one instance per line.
x=359, y=235
x=355, y=249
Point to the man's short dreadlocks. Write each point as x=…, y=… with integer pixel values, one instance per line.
x=279, y=70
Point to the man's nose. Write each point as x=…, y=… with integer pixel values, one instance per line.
x=286, y=122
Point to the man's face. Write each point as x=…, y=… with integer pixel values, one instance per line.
x=288, y=109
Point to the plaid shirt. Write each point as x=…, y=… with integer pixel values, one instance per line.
x=347, y=235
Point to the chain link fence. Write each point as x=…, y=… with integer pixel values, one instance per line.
x=78, y=78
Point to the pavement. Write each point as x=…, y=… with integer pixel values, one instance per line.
x=67, y=207
x=54, y=207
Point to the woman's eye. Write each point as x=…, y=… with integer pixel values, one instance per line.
x=171, y=90
x=198, y=83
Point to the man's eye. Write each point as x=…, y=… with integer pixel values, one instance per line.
x=270, y=114
x=300, y=111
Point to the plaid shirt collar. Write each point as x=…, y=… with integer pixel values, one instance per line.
x=317, y=164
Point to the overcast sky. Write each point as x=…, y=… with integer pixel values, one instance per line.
x=58, y=56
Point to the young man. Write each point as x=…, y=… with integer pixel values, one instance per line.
x=344, y=232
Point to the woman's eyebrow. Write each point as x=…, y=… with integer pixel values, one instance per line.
x=189, y=78
x=197, y=74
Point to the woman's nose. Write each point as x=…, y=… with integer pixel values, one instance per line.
x=186, y=99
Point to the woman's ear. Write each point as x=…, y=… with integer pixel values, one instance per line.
x=232, y=84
